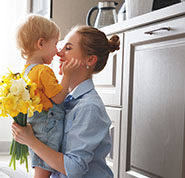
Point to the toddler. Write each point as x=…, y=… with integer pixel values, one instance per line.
x=37, y=38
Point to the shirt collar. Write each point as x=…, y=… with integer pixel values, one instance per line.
x=82, y=88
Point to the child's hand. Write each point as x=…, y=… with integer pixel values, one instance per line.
x=69, y=67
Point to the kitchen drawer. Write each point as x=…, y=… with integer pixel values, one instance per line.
x=162, y=31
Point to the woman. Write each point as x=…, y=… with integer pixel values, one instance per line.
x=86, y=140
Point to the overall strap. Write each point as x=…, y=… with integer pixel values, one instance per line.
x=27, y=70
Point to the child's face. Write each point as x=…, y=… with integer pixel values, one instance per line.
x=49, y=50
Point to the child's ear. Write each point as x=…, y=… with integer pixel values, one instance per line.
x=40, y=43
x=92, y=60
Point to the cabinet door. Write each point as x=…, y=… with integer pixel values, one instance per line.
x=108, y=81
x=113, y=157
x=153, y=119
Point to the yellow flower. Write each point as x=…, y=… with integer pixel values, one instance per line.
x=3, y=90
x=9, y=104
x=7, y=78
x=22, y=106
x=18, y=94
x=18, y=97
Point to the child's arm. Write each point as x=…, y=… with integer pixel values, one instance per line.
x=68, y=69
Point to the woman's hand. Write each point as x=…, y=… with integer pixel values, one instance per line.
x=23, y=135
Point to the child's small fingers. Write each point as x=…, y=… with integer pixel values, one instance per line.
x=75, y=61
x=78, y=64
x=69, y=63
x=75, y=64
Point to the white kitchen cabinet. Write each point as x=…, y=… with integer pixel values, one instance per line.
x=149, y=95
x=113, y=157
x=153, y=117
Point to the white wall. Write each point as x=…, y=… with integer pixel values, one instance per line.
x=10, y=12
x=67, y=13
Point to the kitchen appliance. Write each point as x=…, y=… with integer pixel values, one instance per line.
x=137, y=7
x=122, y=13
x=106, y=14
x=158, y=4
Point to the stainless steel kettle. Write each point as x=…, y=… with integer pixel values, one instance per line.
x=106, y=14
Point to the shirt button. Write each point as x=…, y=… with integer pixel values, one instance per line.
x=52, y=114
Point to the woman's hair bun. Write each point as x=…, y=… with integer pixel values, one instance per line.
x=114, y=43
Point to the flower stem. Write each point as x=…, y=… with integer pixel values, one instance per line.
x=19, y=151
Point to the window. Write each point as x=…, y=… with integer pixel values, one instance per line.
x=41, y=7
x=10, y=13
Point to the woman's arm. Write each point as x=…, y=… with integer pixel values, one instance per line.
x=87, y=141
x=25, y=135
x=68, y=69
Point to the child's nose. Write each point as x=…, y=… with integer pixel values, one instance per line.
x=59, y=49
x=60, y=53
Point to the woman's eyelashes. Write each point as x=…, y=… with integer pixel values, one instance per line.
x=68, y=47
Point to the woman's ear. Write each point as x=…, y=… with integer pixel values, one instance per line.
x=92, y=60
x=40, y=43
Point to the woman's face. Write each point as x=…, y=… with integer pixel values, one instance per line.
x=71, y=49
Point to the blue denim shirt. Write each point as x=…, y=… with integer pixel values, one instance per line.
x=86, y=140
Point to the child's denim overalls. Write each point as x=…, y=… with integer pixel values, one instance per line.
x=48, y=128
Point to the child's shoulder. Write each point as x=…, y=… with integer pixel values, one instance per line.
x=43, y=67
x=44, y=70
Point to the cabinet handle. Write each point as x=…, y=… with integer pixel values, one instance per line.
x=159, y=29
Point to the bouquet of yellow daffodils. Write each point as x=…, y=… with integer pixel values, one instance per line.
x=18, y=98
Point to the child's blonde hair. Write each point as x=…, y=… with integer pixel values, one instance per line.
x=33, y=28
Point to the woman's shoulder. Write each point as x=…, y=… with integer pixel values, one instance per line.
x=91, y=102
x=91, y=98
